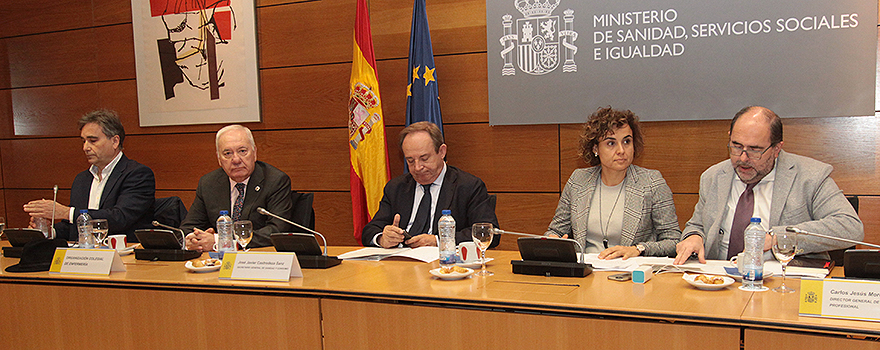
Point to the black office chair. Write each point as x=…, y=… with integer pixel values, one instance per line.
x=837, y=254
x=169, y=211
x=303, y=211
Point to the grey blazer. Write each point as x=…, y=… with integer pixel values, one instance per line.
x=648, y=217
x=803, y=196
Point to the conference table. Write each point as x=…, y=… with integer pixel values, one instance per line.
x=398, y=304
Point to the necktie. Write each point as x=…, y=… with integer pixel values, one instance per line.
x=744, y=209
x=423, y=215
x=239, y=202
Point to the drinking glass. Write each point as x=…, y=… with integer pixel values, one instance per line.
x=243, y=230
x=482, y=233
x=784, y=248
x=100, y=230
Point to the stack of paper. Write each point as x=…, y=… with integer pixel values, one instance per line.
x=425, y=254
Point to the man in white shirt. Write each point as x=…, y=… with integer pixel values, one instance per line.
x=115, y=188
x=761, y=180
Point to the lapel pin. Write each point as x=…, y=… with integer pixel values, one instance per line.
x=257, y=188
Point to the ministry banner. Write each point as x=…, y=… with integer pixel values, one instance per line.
x=557, y=61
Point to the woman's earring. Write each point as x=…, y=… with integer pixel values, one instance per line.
x=596, y=154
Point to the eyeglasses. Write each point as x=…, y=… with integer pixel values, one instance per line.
x=737, y=151
x=229, y=154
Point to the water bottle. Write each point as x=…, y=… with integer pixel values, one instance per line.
x=84, y=227
x=753, y=254
x=225, y=241
x=446, y=227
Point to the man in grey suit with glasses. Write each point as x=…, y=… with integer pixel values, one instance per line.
x=761, y=180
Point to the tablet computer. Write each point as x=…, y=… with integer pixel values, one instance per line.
x=151, y=238
x=18, y=237
x=547, y=249
x=299, y=243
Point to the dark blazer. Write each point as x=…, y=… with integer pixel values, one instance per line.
x=268, y=188
x=462, y=193
x=126, y=202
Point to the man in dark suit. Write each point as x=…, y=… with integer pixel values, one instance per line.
x=446, y=187
x=244, y=180
x=115, y=188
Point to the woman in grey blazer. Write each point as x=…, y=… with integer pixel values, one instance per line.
x=615, y=208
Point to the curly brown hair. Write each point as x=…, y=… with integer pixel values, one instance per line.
x=602, y=122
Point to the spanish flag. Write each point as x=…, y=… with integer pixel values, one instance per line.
x=366, y=127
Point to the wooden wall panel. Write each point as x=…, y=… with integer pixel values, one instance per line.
x=85, y=55
x=15, y=199
x=524, y=212
x=457, y=26
x=41, y=163
x=4, y=65
x=3, y=205
x=54, y=110
x=464, y=90
x=869, y=212
x=315, y=160
x=507, y=158
x=20, y=17
x=306, y=33
x=5, y=113
x=23, y=17
x=178, y=161
x=111, y=11
x=307, y=97
x=850, y=144
x=333, y=218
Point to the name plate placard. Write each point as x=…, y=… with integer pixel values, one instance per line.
x=260, y=266
x=86, y=261
x=840, y=298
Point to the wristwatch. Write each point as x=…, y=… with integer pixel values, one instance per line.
x=641, y=248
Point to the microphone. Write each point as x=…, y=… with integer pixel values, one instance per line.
x=54, y=201
x=500, y=231
x=802, y=232
x=266, y=212
x=175, y=229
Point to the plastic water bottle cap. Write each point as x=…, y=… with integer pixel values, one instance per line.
x=758, y=220
x=224, y=212
x=83, y=211
x=446, y=212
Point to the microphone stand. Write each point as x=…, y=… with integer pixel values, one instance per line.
x=802, y=232
x=583, y=253
x=266, y=212
x=549, y=268
x=862, y=263
x=312, y=261
x=175, y=229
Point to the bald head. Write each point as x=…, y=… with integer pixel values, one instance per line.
x=770, y=121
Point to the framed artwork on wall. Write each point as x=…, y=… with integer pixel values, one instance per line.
x=196, y=61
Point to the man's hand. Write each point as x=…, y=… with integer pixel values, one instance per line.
x=555, y=235
x=690, y=245
x=200, y=240
x=392, y=235
x=42, y=208
x=768, y=241
x=423, y=240
x=619, y=251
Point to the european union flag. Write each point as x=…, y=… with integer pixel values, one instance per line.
x=422, y=95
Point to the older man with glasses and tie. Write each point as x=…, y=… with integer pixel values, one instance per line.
x=241, y=185
x=761, y=180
